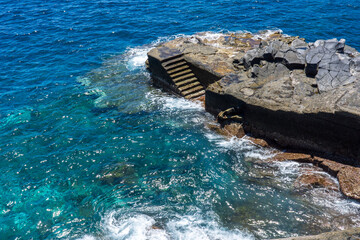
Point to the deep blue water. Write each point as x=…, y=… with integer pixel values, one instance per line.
x=90, y=150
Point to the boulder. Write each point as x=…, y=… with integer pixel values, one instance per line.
x=349, y=179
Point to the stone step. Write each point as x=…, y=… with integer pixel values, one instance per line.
x=188, y=86
x=178, y=79
x=192, y=90
x=173, y=57
x=195, y=95
x=178, y=69
x=172, y=61
x=173, y=66
x=182, y=73
x=187, y=81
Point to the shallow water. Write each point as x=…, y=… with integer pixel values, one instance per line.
x=90, y=150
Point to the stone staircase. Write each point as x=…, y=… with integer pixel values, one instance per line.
x=182, y=76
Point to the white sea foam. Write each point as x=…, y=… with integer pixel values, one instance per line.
x=334, y=201
x=87, y=237
x=266, y=34
x=288, y=171
x=174, y=103
x=210, y=36
x=127, y=225
x=136, y=57
x=131, y=226
x=171, y=103
x=195, y=227
x=241, y=145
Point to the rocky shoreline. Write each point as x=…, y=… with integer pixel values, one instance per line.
x=277, y=90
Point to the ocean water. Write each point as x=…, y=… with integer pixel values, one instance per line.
x=91, y=150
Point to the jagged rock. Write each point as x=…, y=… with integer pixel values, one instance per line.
x=327, y=61
x=355, y=67
x=351, y=52
x=252, y=57
x=312, y=59
x=234, y=129
x=228, y=130
x=259, y=142
x=299, y=45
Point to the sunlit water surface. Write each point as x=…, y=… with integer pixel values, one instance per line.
x=90, y=150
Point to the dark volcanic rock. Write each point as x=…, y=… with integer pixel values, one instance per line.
x=327, y=61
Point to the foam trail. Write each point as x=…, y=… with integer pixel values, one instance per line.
x=123, y=225
x=132, y=227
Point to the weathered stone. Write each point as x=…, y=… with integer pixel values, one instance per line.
x=330, y=64
x=331, y=167
x=349, y=234
x=299, y=44
x=294, y=59
x=252, y=57
x=259, y=142
x=334, y=71
x=351, y=52
x=313, y=180
x=312, y=59
x=349, y=180
x=355, y=67
x=288, y=156
x=228, y=130
x=234, y=129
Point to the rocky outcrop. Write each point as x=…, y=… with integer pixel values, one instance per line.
x=348, y=176
x=294, y=94
x=350, y=234
x=300, y=95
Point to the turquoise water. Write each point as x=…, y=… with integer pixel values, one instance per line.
x=90, y=150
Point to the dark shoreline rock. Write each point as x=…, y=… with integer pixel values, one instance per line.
x=350, y=234
x=296, y=95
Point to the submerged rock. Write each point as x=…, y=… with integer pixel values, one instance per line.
x=312, y=180
x=123, y=173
